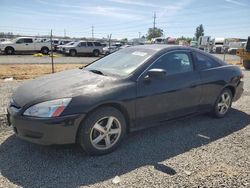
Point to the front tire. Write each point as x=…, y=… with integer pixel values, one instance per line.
x=9, y=51
x=72, y=53
x=102, y=131
x=223, y=103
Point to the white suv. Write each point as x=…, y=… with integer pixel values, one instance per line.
x=84, y=47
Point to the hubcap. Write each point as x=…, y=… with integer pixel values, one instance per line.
x=224, y=103
x=105, y=133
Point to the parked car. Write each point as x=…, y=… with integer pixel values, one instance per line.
x=194, y=44
x=234, y=46
x=110, y=49
x=128, y=90
x=61, y=48
x=61, y=43
x=84, y=47
x=24, y=44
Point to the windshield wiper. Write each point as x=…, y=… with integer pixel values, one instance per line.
x=97, y=71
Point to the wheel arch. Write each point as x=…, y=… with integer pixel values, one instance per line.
x=9, y=47
x=118, y=106
x=231, y=88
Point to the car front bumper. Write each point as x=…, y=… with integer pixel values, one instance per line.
x=45, y=131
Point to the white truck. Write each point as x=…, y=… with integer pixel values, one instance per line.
x=204, y=43
x=218, y=45
x=24, y=44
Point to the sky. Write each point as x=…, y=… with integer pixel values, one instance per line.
x=125, y=18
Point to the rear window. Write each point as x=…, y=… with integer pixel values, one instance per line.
x=28, y=41
x=97, y=44
x=205, y=62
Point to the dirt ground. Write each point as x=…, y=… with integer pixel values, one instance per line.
x=24, y=71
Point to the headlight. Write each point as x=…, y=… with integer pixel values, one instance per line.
x=52, y=108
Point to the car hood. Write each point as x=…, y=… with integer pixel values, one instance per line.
x=64, y=84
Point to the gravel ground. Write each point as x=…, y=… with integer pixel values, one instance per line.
x=196, y=152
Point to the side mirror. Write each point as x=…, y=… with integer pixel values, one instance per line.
x=156, y=74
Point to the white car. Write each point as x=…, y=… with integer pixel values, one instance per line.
x=61, y=48
x=108, y=50
x=24, y=44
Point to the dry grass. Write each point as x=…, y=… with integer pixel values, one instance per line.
x=29, y=71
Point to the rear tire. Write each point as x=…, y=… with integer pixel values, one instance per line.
x=45, y=50
x=102, y=131
x=246, y=64
x=96, y=53
x=223, y=103
x=72, y=53
x=9, y=51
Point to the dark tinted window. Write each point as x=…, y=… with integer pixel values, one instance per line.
x=20, y=41
x=97, y=44
x=89, y=43
x=83, y=44
x=204, y=62
x=174, y=63
x=28, y=41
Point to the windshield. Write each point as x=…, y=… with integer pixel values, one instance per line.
x=122, y=62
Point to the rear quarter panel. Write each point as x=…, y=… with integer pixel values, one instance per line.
x=214, y=80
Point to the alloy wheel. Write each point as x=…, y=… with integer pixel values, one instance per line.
x=224, y=103
x=105, y=133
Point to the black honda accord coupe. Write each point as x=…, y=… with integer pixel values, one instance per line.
x=131, y=89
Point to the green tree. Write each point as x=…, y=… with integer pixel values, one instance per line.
x=199, y=31
x=154, y=32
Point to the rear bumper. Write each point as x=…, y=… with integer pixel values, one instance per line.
x=238, y=91
x=49, y=131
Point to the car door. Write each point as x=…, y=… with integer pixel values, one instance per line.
x=81, y=48
x=90, y=47
x=19, y=46
x=177, y=94
x=29, y=45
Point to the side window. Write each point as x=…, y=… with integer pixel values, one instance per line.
x=175, y=62
x=89, y=43
x=20, y=41
x=28, y=41
x=83, y=44
x=204, y=62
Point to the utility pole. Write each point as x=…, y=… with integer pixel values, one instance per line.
x=139, y=34
x=92, y=32
x=64, y=33
x=154, y=25
x=51, y=54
